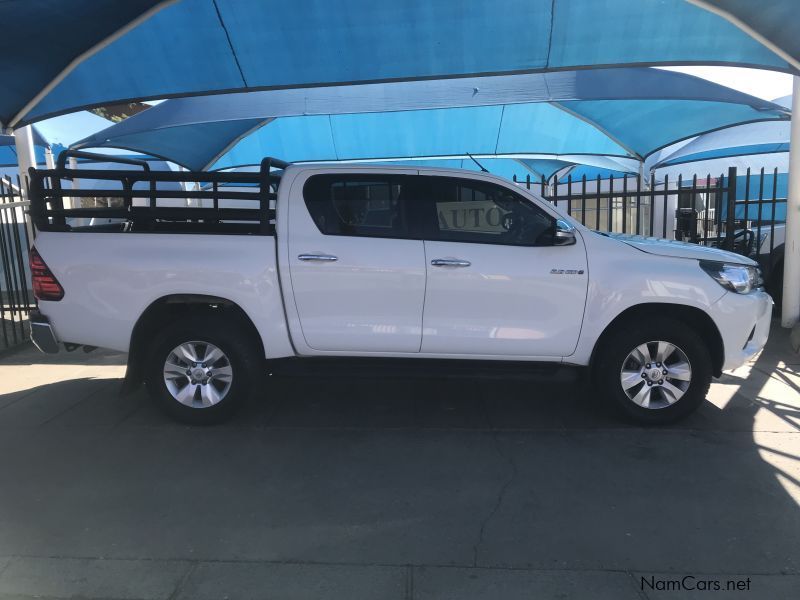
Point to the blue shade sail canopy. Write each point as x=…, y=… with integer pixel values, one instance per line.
x=191, y=47
x=753, y=145
x=785, y=101
x=67, y=129
x=593, y=173
x=105, y=184
x=38, y=139
x=56, y=133
x=41, y=37
x=617, y=112
x=579, y=166
x=772, y=20
x=8, y=150
x=753, y=138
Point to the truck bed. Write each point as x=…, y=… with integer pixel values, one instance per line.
x=129, y=243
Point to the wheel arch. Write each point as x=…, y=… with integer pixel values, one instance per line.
x=698, y=319
x=170, y=307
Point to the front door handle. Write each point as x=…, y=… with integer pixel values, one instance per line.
x=450, y=262
x=318, y=257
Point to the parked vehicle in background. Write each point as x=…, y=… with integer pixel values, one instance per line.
x=330, y=261
x=769, y=245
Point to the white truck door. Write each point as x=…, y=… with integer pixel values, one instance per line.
x=357, y=274
x=496, y=283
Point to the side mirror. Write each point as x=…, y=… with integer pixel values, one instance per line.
x=565, y=234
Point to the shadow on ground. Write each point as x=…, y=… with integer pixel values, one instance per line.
x=401, y=487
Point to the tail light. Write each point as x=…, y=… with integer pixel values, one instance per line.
x=45, y=284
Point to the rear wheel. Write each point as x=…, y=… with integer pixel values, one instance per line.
x=654, y=372
x=202, y=368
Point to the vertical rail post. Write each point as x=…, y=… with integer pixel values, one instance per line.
x=694, y=236
x=639, y=203
x=664, y=208
x=555, y=189
x=264, y=174
x=731, y=208
x=583, y=200
x=597, y=201
x=10, y=297
x=26, y=154
x=569, y=194
x=651, y=231
x=759, y=213
x=774, y=205
x=625, y=203
x=747, y=197
x=706, y=208
x=718, y=201
x=678, y=202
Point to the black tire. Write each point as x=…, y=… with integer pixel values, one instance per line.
x=615, y=349
x=241, y=354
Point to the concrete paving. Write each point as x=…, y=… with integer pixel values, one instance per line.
x=359, y=487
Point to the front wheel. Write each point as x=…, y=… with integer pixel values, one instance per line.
x=654, y=372
x=202, y=368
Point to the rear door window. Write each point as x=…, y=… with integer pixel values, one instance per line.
x=359, y=205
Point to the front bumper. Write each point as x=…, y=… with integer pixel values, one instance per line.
x=743, y=321
x=42, y=334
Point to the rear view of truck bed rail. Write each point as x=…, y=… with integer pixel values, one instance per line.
x=146, y=201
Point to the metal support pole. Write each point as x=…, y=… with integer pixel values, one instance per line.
x=26, y=158
x=791, y=262
x=730, y=214
x=72, y=201
x=49, y=159
x=26, y=155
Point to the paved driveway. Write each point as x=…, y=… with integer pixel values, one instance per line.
x=395, y=488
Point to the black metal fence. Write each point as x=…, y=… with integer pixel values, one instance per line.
x=730, y=210
x=16, y=297
x=629, y=205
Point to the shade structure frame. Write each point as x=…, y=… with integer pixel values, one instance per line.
x=569, y=107
x=252, y=45
x=736, y=141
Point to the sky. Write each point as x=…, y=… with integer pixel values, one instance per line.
x=767, y=85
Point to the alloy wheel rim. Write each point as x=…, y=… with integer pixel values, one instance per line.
x=656, y=374
x=198, y=374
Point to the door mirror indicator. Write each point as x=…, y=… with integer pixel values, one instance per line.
x=565, y=234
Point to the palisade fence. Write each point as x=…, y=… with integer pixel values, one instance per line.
x=729, y=210
x=16, y=297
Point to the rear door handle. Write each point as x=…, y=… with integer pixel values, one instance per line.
x=450, y=262
x=317, y=257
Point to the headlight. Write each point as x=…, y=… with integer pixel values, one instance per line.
x=741, y=279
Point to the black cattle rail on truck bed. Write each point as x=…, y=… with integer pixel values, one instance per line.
x=197, y=202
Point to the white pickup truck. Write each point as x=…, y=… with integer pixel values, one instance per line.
x=362, y=261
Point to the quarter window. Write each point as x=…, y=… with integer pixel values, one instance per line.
x=356, y=205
